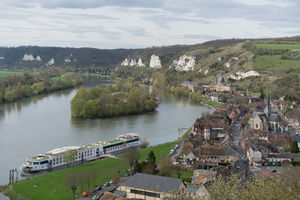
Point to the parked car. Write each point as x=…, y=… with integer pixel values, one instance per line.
x=126, y=174
x=106, y=184
x=175, y=163
x=96, y=197
x=98, y=187
x=85, y=194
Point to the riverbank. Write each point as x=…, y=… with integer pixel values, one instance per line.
x=50, y=186
x=28, y=86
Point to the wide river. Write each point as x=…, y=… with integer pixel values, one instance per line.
x=43, y=123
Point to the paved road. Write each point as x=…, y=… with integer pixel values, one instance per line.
x=104, y=189
x=110, y=188
x=235, y=135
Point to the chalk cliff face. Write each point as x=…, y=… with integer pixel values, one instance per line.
x=242, y=75
x=125, y=62
x=184, y=63
x=67, y=60
x=28, y=57
x=38, y=58
x=140, y=63
x=51, y=62
x=155, y=62
x=133, y=62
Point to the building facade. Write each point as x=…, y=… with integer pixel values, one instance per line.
x=151, y=187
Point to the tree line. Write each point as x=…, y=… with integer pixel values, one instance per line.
x=28, y=85
x=122, y=98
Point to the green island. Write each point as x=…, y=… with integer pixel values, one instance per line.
x=15, y=86
x=122, y=98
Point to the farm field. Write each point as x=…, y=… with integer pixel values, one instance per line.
x=9, y=73
x=275, y=62
x=278, y=45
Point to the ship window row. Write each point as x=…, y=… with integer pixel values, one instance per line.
x=114, y=148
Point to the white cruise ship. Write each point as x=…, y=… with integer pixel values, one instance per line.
x=65, y=155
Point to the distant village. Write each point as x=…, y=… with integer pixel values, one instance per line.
x=255, y=138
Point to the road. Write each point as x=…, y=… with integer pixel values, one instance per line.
x=110, y=188
x=235, y=135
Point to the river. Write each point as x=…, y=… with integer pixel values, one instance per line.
x=42, y=123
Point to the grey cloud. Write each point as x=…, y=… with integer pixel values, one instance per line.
x=200, y=36
x=137, y=31
x=84, y=3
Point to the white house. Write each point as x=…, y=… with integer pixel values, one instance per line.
x=254, y=156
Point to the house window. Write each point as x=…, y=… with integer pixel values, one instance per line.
x=150, y=194
x=256, y=125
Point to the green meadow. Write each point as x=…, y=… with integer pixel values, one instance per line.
x=275, y=62
x=50, y=186
x=9, y=73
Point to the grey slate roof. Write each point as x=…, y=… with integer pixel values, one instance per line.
x=153, y=183
x=121, y=193
x=191, y=83
x=274, y=117
x=221, y=79
x=261, y=115
x=297, y=138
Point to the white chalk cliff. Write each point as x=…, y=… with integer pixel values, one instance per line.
x=50, y=62
x=125, y=62
x=242, y=75
x=140, y=63
x=38, y=58
x=28, y=57
x=67, y=60
x=132, y=62
x=155, y=61
x=228, y=64
x=184, y=63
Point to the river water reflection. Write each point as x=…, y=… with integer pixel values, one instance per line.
x=43, y=123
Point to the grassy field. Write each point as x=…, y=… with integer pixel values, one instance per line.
x=50, y=186
x=9, y=73
x=209, y=102
x=57, y=78
x=295, y=46
x=275, y=62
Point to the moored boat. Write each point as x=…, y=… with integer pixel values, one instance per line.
x=66, y=155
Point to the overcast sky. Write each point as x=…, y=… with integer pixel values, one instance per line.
x=143, y=23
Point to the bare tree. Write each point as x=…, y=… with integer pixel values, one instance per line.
x=71, y=180
x=90, y=176
x=130, y=156
x=116, y=177
x=81, y=178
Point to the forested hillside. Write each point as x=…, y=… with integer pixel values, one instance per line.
x=33, y=57
x=248, y=64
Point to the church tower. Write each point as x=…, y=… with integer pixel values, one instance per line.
x=267, y=110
